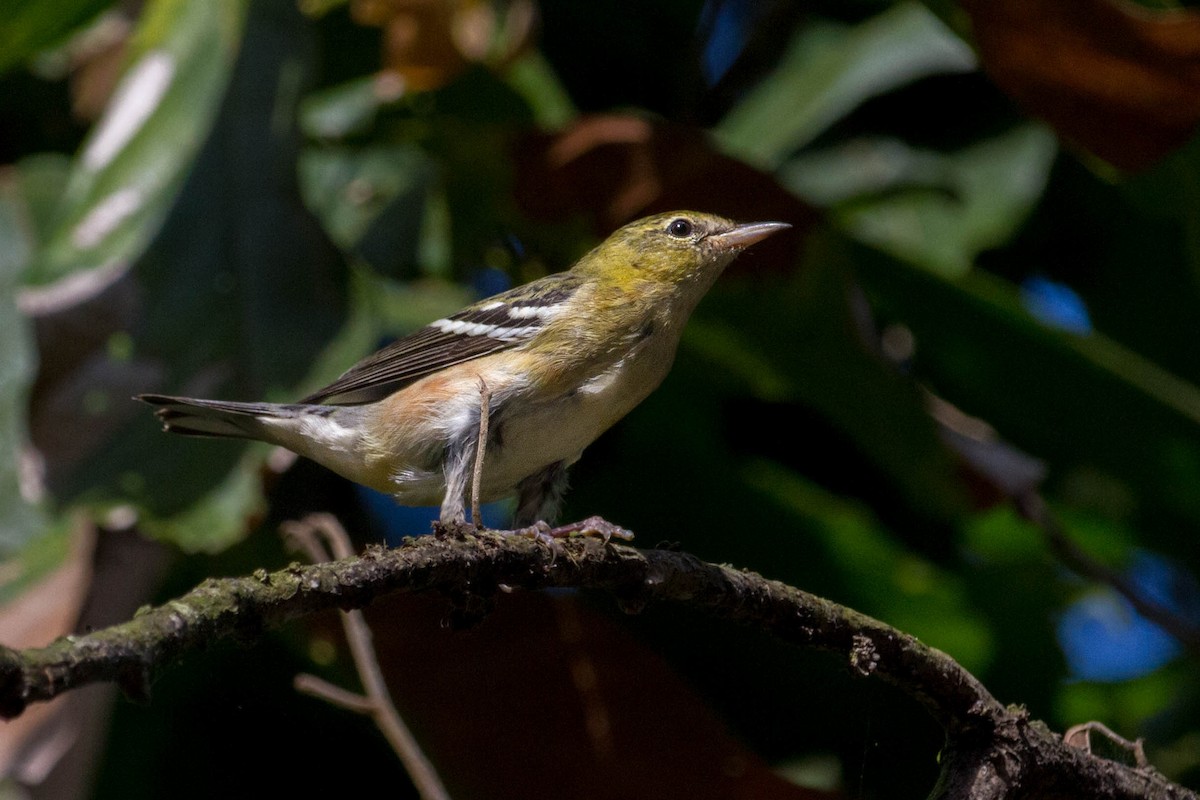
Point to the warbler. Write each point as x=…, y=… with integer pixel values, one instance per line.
x=555, y=362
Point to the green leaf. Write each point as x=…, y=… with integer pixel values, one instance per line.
x=344, y=110
x=828, y=70
x=27, y=26
x=238, y=294
x=223, y=515
x=899, y=586
x=936, y=210
x=1140, y=242
x=371, y=200
x=1002, y=537
x=20, y=519
x=1127, y=705
x=807, y=350
x=1076, y=401
x=40, y=179
x=532, y=77
x=137, y=156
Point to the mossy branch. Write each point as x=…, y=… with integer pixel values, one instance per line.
x=991, y=751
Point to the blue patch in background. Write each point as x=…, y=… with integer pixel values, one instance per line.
x=1105, y=639
x=727, y=23
x=1055, y=304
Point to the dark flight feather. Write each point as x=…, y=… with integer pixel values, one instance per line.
x=432, y=349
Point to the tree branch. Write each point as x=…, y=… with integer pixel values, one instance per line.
x=991, y=751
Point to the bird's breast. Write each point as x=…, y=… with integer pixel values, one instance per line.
x=539, y=430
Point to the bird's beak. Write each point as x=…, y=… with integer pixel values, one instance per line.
x=743, y=236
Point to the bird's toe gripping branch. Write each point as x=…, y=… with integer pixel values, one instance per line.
x=592, y=526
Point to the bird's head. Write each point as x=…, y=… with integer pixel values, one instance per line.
x=678, y=249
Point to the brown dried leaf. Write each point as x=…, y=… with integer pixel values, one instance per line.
x=427, y=43
x=97, y=62
x=1119, y=81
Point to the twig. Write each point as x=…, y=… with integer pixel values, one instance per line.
x=378, y=702
x=1081, y=736
x=485, y=401
x=333, y=694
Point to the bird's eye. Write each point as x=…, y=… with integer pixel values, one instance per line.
x=680, y=228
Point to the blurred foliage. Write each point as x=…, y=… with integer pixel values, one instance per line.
x=30, y=26
x=990, y=290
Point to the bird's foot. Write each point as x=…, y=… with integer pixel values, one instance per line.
x=540, y=532
x=592, y=526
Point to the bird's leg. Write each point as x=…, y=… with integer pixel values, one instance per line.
x=457, y=466
x=539, y=495
x=538, y=498
x=485, y=399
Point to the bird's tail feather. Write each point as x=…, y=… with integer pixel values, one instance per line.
x=220, y=418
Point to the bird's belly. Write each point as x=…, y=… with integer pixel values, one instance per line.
x=521, y=443
x=529, y=429
x=531, y=435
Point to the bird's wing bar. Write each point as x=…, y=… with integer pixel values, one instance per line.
x=489, y=326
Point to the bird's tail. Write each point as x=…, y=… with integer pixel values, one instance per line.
x=221, y=418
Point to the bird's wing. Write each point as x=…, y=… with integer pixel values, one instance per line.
x=489, y=326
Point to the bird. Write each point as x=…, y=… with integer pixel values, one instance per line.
x=546, y=367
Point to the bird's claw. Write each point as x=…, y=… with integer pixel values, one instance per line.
x=541, y=531
x=592, y=526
